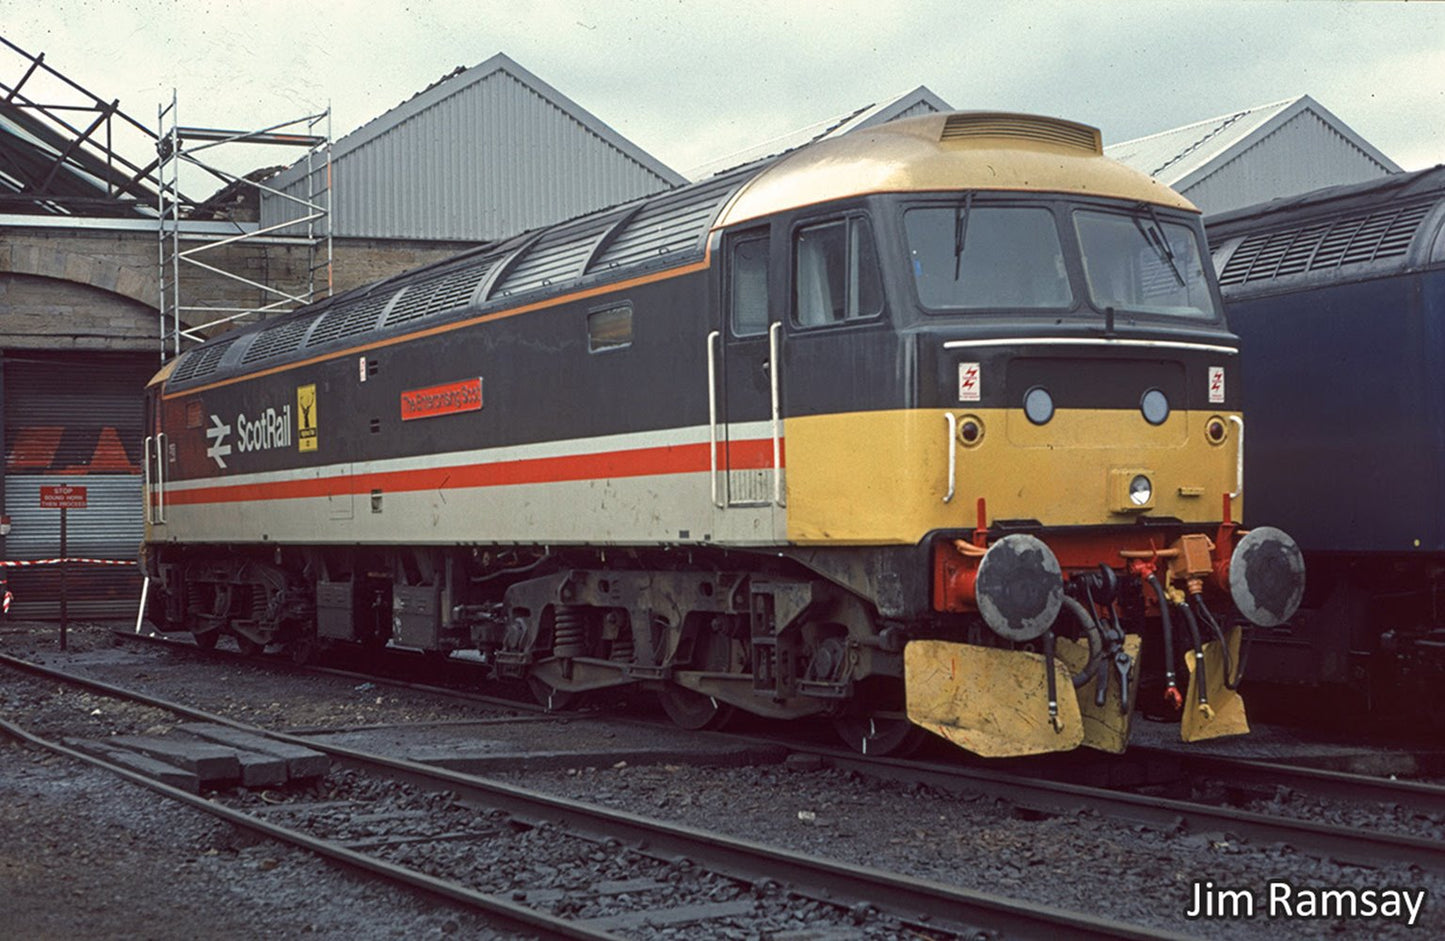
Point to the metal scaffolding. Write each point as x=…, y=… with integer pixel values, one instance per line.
x=219, y=249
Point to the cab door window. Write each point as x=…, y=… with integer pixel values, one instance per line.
x=835, y=273
x=748, y=285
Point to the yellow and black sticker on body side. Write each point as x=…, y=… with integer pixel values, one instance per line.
x=306, y=417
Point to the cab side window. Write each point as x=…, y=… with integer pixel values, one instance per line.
x=835, y=273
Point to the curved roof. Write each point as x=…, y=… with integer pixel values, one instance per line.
x=1337, y=233
x=963, y=150
x=657, y=234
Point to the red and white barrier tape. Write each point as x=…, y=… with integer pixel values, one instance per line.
x=24, y=563
x=5, y=603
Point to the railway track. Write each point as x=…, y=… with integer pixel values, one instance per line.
x=670, y=873
x=1046, y=790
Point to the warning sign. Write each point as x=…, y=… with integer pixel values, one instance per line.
x=970, y=382
x=306, y=418
x=1216, y=385
x=63, y=497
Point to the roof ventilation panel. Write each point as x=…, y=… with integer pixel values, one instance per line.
x=1059, y=133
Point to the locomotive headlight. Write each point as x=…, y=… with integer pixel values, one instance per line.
x=1038, y=405
x=1141, y=490
x=1215, y=430
x=1155, y=406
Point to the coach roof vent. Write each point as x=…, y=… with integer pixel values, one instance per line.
x=971, y=126
x=1356, y=239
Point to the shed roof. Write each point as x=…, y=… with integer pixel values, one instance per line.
x=911, y=103
x=460, y=80
x=1185, y=156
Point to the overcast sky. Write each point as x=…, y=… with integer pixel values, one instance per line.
x=690, y=82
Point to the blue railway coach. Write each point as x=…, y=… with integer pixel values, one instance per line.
x=1338, y=297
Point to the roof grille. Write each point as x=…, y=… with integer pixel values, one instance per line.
x=201, y=361
x=276, y=340
x=669, y=225
x=348, y=320
x=556, y=257
x=438, y=293
x=1356, y=239
x=1022, y=127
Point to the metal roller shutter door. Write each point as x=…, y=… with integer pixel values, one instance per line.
x=77, y=419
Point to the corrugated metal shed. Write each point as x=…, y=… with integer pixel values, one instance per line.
x=909, y=104
x=485, y=153
x=1260, y=153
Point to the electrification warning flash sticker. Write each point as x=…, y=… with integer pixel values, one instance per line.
x=1216, y=385
x=970, y=382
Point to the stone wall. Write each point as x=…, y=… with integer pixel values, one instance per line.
x=95, y=288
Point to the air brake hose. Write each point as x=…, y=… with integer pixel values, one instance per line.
x=1171, y=690
x=1096, y=650
x=1198, y=654
x=1229, y=669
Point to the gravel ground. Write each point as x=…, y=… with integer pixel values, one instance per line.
x=1086, y=863
x=83, y=855
x=177, y=872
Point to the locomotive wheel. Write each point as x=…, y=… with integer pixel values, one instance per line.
x=206, y=640
x=692, y=710
x=248, y=647
x=556, y=700
x=880, y=734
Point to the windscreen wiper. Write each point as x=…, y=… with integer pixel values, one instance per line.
x=960, y=232
x=1155, y=237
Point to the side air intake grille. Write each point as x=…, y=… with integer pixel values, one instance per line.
x=437, y=293
x=201, y=361
x=1020, y=127
x=1349, y=240
x=278, y=340
x=349, y=319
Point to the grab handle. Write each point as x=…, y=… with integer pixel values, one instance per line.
x=952, y=420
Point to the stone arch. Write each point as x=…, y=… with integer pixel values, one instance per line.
x=121, y=263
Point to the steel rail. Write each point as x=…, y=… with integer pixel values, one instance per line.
x=904, y=897
x=1347, y=844
x=443, y=888
x=282, y=663
x=1321, y=782
x=1419, y=796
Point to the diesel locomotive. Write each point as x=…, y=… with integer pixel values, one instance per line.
x=926, y=427
x=1338, y=296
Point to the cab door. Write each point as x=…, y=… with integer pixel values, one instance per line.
x=747, y=426
x=154, y=469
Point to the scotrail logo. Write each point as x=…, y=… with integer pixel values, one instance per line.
x=218, y=433
x=270, y=429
